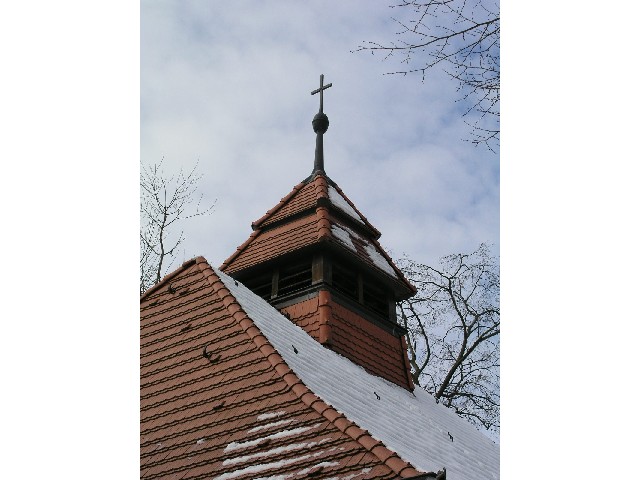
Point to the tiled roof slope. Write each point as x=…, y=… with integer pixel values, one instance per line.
x=264, y=245
x=218, y=400
x=302, y=197
x=306, y=195
x=315, y=211
x=421, y=431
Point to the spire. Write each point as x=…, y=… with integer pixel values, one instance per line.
x=320, y=125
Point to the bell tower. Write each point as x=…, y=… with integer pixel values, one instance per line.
x=317, y=259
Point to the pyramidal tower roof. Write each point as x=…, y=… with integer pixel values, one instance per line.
x=316, y=211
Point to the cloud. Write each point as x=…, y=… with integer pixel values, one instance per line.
x=229, y=86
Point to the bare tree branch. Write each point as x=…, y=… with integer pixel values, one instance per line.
x=453, y=326
x=164, y=200
x=462, y=37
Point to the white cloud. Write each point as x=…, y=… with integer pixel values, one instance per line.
x=229, y=84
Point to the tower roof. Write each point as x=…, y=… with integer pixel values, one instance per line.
x=316, y=212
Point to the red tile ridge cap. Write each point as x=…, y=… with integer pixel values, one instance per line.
x=322, y=212
x=168, y=277
x=388, y=457
x=323, y=224
x=255, y=225
x=325, y=310
x=239, y=250
x=321, y=186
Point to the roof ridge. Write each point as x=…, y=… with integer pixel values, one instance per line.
x=168, y=277
x=362, y=217
x=283, y=201
x=240, y=249
x=387, y=456
x=394, y=266
x=321, y=184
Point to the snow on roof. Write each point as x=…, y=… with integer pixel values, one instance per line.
x=378, y=260
x=421, y=431
x=345, y=236
x=274, y=436
x=339, y=201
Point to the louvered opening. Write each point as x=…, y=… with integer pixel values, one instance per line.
x=375, y=298
x=260, y=285
x=294, y=278
x=345, y=281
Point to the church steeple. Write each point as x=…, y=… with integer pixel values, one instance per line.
x=317, y=259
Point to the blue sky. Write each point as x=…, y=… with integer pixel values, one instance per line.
x=229, y=86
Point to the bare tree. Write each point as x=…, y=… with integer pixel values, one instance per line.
x=453, y=325
x=164, y=200
x=463, y=38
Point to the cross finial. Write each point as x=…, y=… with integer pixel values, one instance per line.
x=321, y=89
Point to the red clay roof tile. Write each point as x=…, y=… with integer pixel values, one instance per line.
x=231, y=417
x=302, y=199
x=287, y=200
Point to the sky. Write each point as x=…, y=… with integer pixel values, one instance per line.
x=226, y=87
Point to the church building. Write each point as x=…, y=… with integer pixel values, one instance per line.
x=287, y=361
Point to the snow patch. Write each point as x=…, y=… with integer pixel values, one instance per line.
x=273, y=451
x=269, y=466
x=270, y=425
x=343, y=237
x=340, y=202
x=285, y=433
x=267, y=416
x=303, y=471
x=261, y=468
x=378, y=260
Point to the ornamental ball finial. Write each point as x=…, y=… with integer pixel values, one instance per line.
x=320, y=123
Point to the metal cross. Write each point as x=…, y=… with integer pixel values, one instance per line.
x=322, y=87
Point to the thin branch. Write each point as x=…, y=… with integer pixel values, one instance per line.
x=165, y=201
x=462, y=38
x=455, y=319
